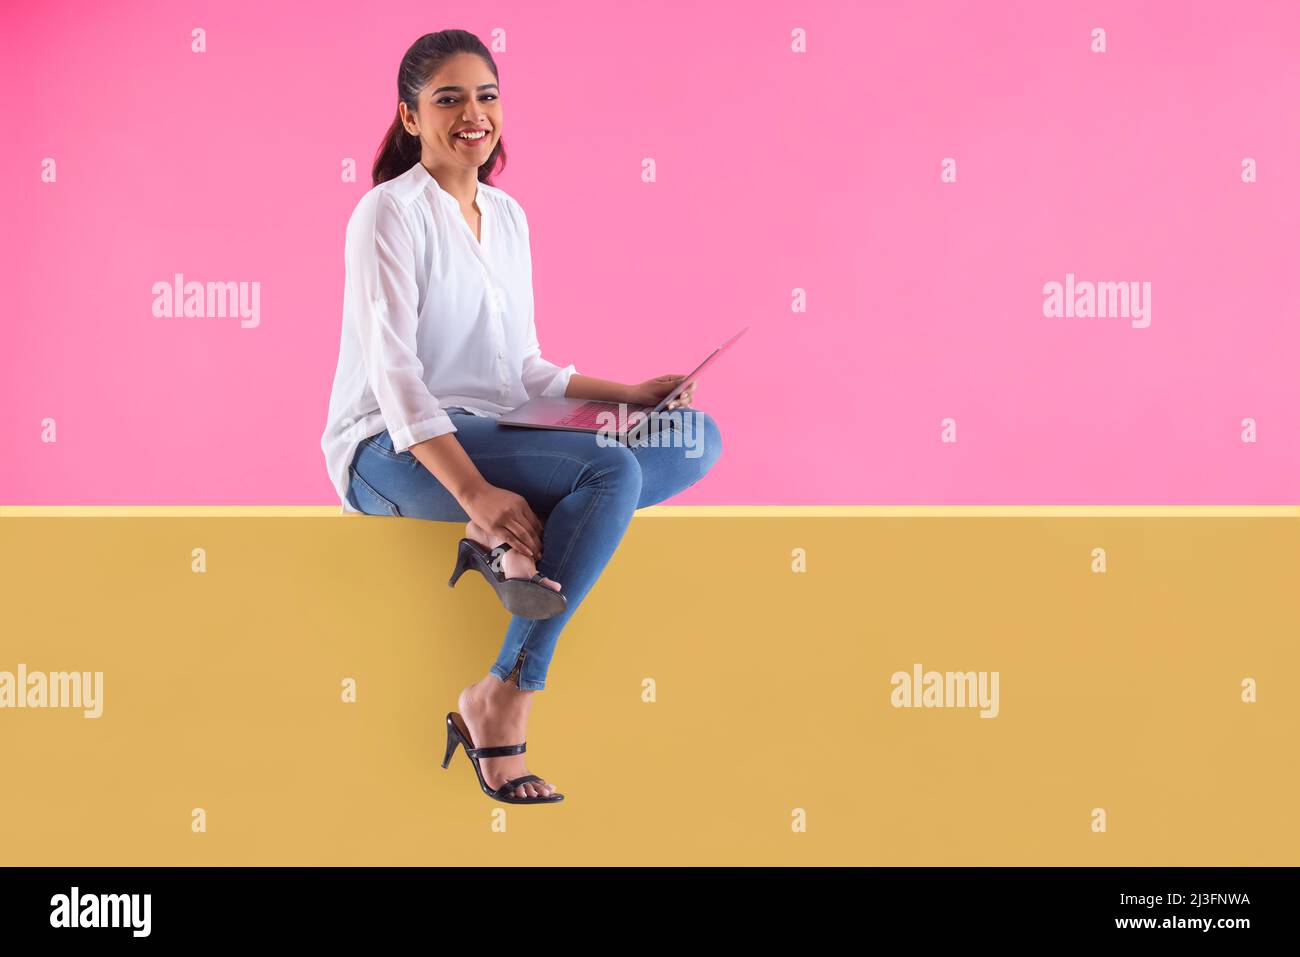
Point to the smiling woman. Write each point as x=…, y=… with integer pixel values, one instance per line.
x=436, y=116
x=439, y=342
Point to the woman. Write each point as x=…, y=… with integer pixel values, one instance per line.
x=438, y=341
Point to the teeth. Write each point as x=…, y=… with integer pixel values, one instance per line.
x=473, y=136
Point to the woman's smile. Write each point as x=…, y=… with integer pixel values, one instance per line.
x=473, y=139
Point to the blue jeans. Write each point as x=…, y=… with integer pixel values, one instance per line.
x=583, y=492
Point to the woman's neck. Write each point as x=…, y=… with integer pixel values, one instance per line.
x=462, y=184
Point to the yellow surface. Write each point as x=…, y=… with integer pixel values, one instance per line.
x=697, y=511
x=1119, y=691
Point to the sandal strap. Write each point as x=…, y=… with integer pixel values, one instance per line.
x=496, y=555
x=515, y=782
x=497, y=751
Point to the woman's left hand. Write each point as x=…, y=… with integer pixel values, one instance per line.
x=652, y=391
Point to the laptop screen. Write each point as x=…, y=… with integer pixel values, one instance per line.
x=681, y=386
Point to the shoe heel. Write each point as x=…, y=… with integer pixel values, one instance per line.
x=464, y=556
x=453, y=739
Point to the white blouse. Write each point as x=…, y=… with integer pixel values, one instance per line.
x=432, y=318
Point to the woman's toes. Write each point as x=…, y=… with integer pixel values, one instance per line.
x=551, y=584
x=534, y=789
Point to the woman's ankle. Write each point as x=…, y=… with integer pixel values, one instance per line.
x=496, y=689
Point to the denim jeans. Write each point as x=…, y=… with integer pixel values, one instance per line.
x=583, y=491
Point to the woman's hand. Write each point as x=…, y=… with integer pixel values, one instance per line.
x=652, y=391
x=504, y=514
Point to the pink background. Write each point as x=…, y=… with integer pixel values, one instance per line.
x=776, y=170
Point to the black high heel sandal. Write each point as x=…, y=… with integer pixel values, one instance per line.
x=458, y=735
x=525, y=597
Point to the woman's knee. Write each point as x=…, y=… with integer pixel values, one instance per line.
x=707, y=437
x=616, y=466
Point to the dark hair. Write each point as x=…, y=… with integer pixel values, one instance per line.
x=400, y=149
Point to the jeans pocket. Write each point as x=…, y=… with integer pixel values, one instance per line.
x=368, y=500
x=382, y=443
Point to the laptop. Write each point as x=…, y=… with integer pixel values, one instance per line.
x=592, y=415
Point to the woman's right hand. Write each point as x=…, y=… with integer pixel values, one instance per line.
x=504, y=514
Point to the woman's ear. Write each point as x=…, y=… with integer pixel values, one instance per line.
x=408, y=119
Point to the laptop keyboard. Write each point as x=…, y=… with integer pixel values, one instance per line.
x=589, y=416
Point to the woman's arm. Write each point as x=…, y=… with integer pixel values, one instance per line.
x=451, y=465
x=648, y=393
x=499, y=511
x=588, y=387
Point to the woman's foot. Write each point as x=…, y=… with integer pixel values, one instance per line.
x=496, y=713
x=513, y=564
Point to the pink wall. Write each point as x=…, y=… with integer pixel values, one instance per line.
x=776, y=170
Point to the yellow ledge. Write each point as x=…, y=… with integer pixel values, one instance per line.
x=285, y=686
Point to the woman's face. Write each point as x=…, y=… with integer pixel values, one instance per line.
x=463, y=96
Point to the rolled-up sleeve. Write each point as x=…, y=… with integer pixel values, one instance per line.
x=384, y=299
x=541, y=378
